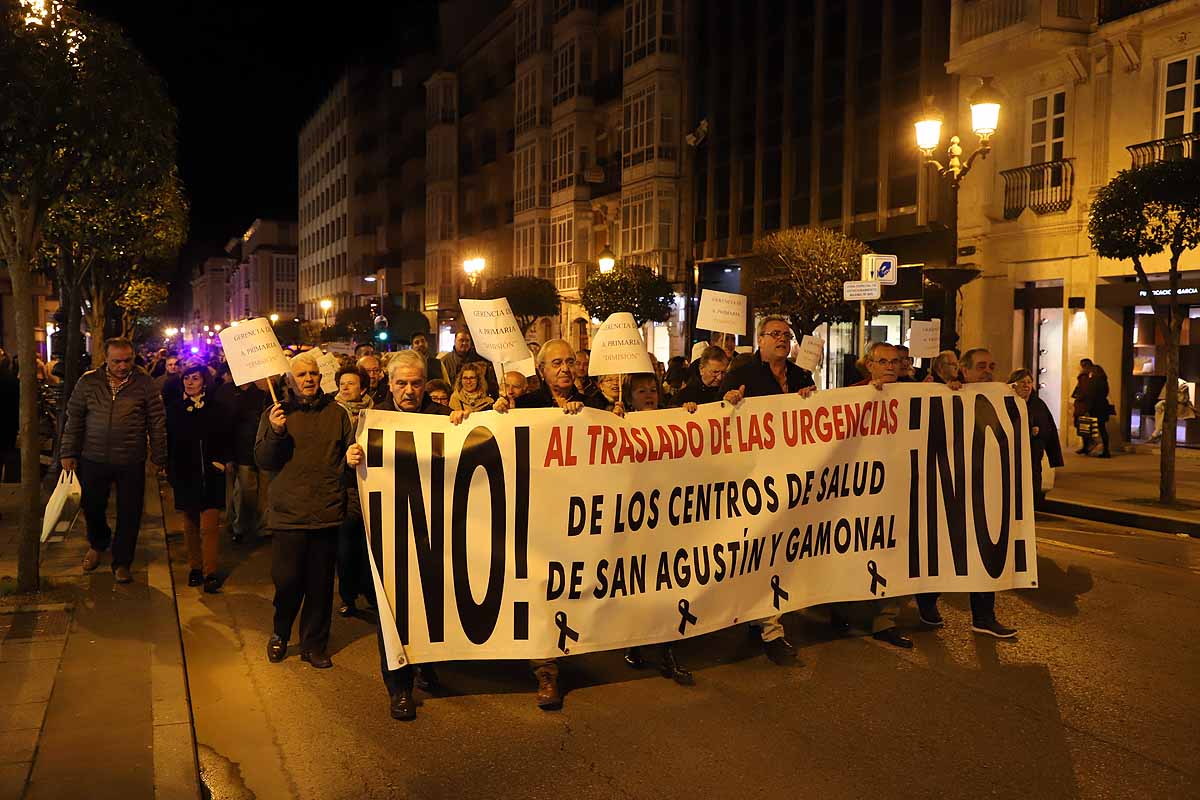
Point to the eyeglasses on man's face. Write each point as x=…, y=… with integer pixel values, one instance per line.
x=779, y=336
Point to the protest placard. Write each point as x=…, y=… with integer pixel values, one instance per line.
x=723, y=312
x=252, y=351
x=494, y=330
x=925, y=338
x=328, y=364
x=618, y=348
x=665, y=525
x=812, y=352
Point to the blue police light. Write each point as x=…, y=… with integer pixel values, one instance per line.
x=382, y=336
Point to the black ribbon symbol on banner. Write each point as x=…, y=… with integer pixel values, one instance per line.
x=877, y=580
x=685, y=615
x=564, y=631
x=778, y=592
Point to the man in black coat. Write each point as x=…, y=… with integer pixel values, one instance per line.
x=247, y=484
x=768, y=373
x=112, y=412
x=705, y=387
x=406, y=382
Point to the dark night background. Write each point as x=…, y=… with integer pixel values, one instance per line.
x=243, y=78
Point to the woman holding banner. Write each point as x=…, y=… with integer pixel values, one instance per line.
x=642, y=393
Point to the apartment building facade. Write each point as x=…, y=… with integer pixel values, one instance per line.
x=264, y=278
x=1092, y=87
x=210, y=294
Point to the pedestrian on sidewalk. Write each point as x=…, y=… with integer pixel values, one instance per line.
x=978, y=366
x=198, y=445
x=303, y=441
x=407, y=395
x=112, y=413
x=353, y=568
x=1043, y=433
x=1095, y=403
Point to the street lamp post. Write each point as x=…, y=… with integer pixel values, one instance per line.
x=985, y=116
x=474, y=267
x=326, y=304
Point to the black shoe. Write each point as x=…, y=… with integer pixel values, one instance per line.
x=931, y=616
x=212, y=584
x=634, y=658
x=671, y=669
x=994, y=628
x=427, y=678
x=781, y=652
x=276, y=649
x=403, y=707
x=317, y=660
x=195, y=577
x=1083, y=451
x=894, y=638
x=840, y=624
x=236, y=538
x=347, y=609
x=1106, y=455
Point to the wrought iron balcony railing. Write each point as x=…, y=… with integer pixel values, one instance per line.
x=1116, y=9
x=1044, y=188
x=1172, y=149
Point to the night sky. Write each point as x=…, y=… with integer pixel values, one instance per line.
x=244, y=77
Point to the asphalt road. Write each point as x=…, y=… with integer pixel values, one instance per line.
x=1099, y=697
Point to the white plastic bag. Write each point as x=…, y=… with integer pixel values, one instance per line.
x=63, y=501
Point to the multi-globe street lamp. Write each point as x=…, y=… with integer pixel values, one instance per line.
x=606, y=260
x=326, y=304
x=986, y=102
x=474, y=267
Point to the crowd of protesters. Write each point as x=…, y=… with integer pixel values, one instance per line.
x=278, y=460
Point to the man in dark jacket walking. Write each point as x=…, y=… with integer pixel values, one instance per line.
x=247, y=485
x=303, y=441
x=111, y=413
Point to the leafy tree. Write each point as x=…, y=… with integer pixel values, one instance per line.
x=1140, y=213
x=74, y=105
x=529, y=298
x=799, y=272
x=636, y=289
x=140, y=303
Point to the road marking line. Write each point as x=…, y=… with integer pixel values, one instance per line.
x=1079, y=547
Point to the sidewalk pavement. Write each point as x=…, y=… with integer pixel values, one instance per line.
x=1123, y=490
x=93, y=691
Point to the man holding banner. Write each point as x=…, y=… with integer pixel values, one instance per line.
x=406, y=382
x=770, y=373
x=977, y=367
x=556, y=365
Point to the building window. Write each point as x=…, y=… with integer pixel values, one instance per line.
x=527, y=25
x=636, y=215
x=1047, y=127
x=638, y=131
x=526, y=92
x=1181, y=97
x=640, y=40
x=666, y=221
x=564, y=73
x=562, y=154
x=668, y=134
x=544, y=243
x=562, y=242
x=525, y=245
x=526, y=179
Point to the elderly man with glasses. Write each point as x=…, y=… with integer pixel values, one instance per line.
x=769, y=372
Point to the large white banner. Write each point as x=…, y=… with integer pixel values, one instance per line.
x=534, y=534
